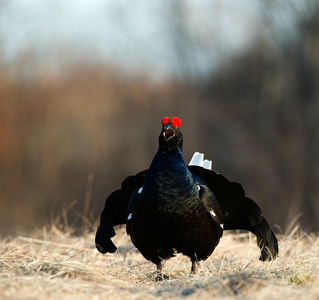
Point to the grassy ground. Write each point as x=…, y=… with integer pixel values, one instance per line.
x=52, y=264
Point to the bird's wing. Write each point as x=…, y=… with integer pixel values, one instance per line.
x=239, y=212
x=115, y=212
x=132, y=208
x=211, y=207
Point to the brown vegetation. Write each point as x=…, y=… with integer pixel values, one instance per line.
x=53, y=264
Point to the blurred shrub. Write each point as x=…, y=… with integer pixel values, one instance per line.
x=68, y=141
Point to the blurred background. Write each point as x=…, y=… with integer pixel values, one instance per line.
x=84, y=86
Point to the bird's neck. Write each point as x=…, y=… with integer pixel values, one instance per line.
x=168, y=171
x=168, y=162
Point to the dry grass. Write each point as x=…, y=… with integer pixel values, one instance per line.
x=52, y=264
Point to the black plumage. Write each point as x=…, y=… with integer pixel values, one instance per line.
x=172, y=207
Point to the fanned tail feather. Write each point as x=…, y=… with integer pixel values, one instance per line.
x=266, y=240
x=198, y=160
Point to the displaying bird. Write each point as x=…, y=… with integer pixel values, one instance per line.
x=174, y=208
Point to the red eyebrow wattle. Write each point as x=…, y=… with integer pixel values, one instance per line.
x=176, y=122
x=165, y=120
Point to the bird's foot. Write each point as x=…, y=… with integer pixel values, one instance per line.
x=195, y=265
x=160, y=276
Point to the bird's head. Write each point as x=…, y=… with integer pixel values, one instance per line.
x=171, y=137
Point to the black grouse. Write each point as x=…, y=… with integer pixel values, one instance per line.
x=174, y=208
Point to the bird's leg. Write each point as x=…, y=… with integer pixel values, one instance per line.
x=159, y=272
x=195, y=265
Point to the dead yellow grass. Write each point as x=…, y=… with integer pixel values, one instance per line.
x=55, y=265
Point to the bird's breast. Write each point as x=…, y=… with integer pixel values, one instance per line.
x=170, y=193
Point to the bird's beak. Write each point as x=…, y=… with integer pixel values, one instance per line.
x=168, y=133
